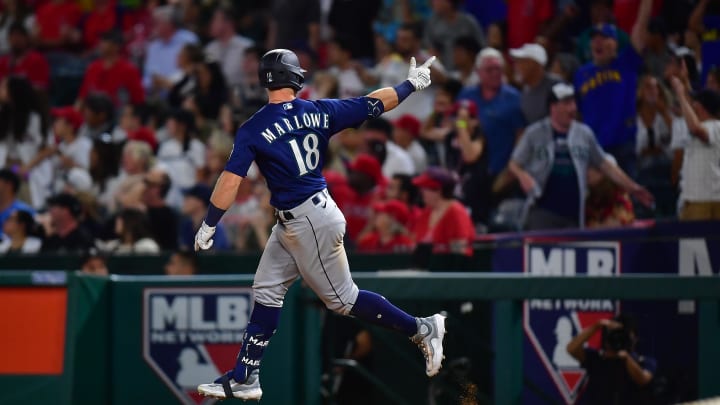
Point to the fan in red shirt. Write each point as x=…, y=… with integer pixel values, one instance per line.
x=389, y=234
x=444, y=223
x=356, y=195
x=100, y=19
x=57, y=23
x=112, y=73
x=525, y=18
x=23, y=60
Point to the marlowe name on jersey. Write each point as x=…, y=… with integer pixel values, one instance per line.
x=295, y=122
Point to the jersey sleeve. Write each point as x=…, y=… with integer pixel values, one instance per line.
x=242, y=155
x=351, y=112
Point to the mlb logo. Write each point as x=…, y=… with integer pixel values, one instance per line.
x=550, y=324
x=287, y=106
x=191, y=336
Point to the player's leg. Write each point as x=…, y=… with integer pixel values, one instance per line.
x=275, y=274
x=317, y=246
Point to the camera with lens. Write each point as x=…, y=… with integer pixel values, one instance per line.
x=617, y=339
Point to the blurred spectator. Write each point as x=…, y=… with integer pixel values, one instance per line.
x=20, y=234
x=78, y=181
x=405, y=134
x=465, y=50
x=14, y=12
x=99, y=114
x=446, y=24
x=134, y=235
x=400, y=188
x=343, y=148
x=444, y=226
x=607, y=87
x=393, y=69
x=377, y=133
x=617, y=373
x=353, y=19
x=9, y=203
x=466, y=154
x=104, y=165
x=551, y=162
x=211, y=93
x=654, y=123
x=564, y=66
x=682, y=64
x=183, y=155
x=355, y=197
x=182, y=263
x=249, y=220
x=94, y=263
x=195, y=204
x=56, y=25
x=700, y=175
x=657, y=52
x=134, y=122
x=63, y=229
x=248, y=95
x=126, y=190
x=530, y=61
x=227, y=48
x=600, y=14
x=525, y=19
x=162, y=52
x=72, y=150
x=713, y=79
x=705, y=19
x=342, y=66
x=389, y=233
x=499, y=107
x=182, y=85
x=23, y=60
x=293, y=22
x=101, y=18
x=219, y=148
x=439, y=124
x=112, y=74
x=163, y=220
x=21, y=132
x=607, y=205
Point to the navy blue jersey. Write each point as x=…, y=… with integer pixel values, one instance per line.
x=288, y=142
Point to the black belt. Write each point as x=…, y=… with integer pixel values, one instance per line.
x=288, y=214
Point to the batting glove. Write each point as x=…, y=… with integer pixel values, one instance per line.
x=419, y=77
x=203, y=237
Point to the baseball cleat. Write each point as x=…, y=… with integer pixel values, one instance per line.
x=250, y=389
x=429, y=338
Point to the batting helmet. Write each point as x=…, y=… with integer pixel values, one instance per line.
x=280, y=68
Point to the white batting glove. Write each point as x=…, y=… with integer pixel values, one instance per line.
x=420, y=76
x=203, y=237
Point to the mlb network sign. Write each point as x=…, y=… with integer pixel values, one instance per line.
x=192, y=335
x=550, y=324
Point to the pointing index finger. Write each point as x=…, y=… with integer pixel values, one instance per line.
x=412, y=62
x=428, y=62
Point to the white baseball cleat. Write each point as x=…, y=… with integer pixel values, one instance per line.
x=250, y=389
x=429, y=338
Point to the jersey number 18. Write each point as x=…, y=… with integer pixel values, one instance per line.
x=312, y=154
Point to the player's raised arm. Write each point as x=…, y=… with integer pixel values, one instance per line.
x=418, y=79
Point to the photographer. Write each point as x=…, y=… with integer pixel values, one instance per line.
x=617, y=374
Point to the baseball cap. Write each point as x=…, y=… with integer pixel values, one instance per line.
x=606, y=30
x=710, y=100
x=144, y=135
x=531, y=51
x=396, y=209
x=434, y=178
x=69, y=114
x=199, y=191
x=467, y=104
x=561, y=91
x=68, y=201
x=409, y=123
x=367, y=164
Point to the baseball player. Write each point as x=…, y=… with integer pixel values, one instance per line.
x=288, y=139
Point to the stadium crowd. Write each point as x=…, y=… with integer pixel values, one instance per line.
x=117, y=117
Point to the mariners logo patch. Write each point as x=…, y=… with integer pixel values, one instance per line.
x=550, y=324
x=192, y=335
